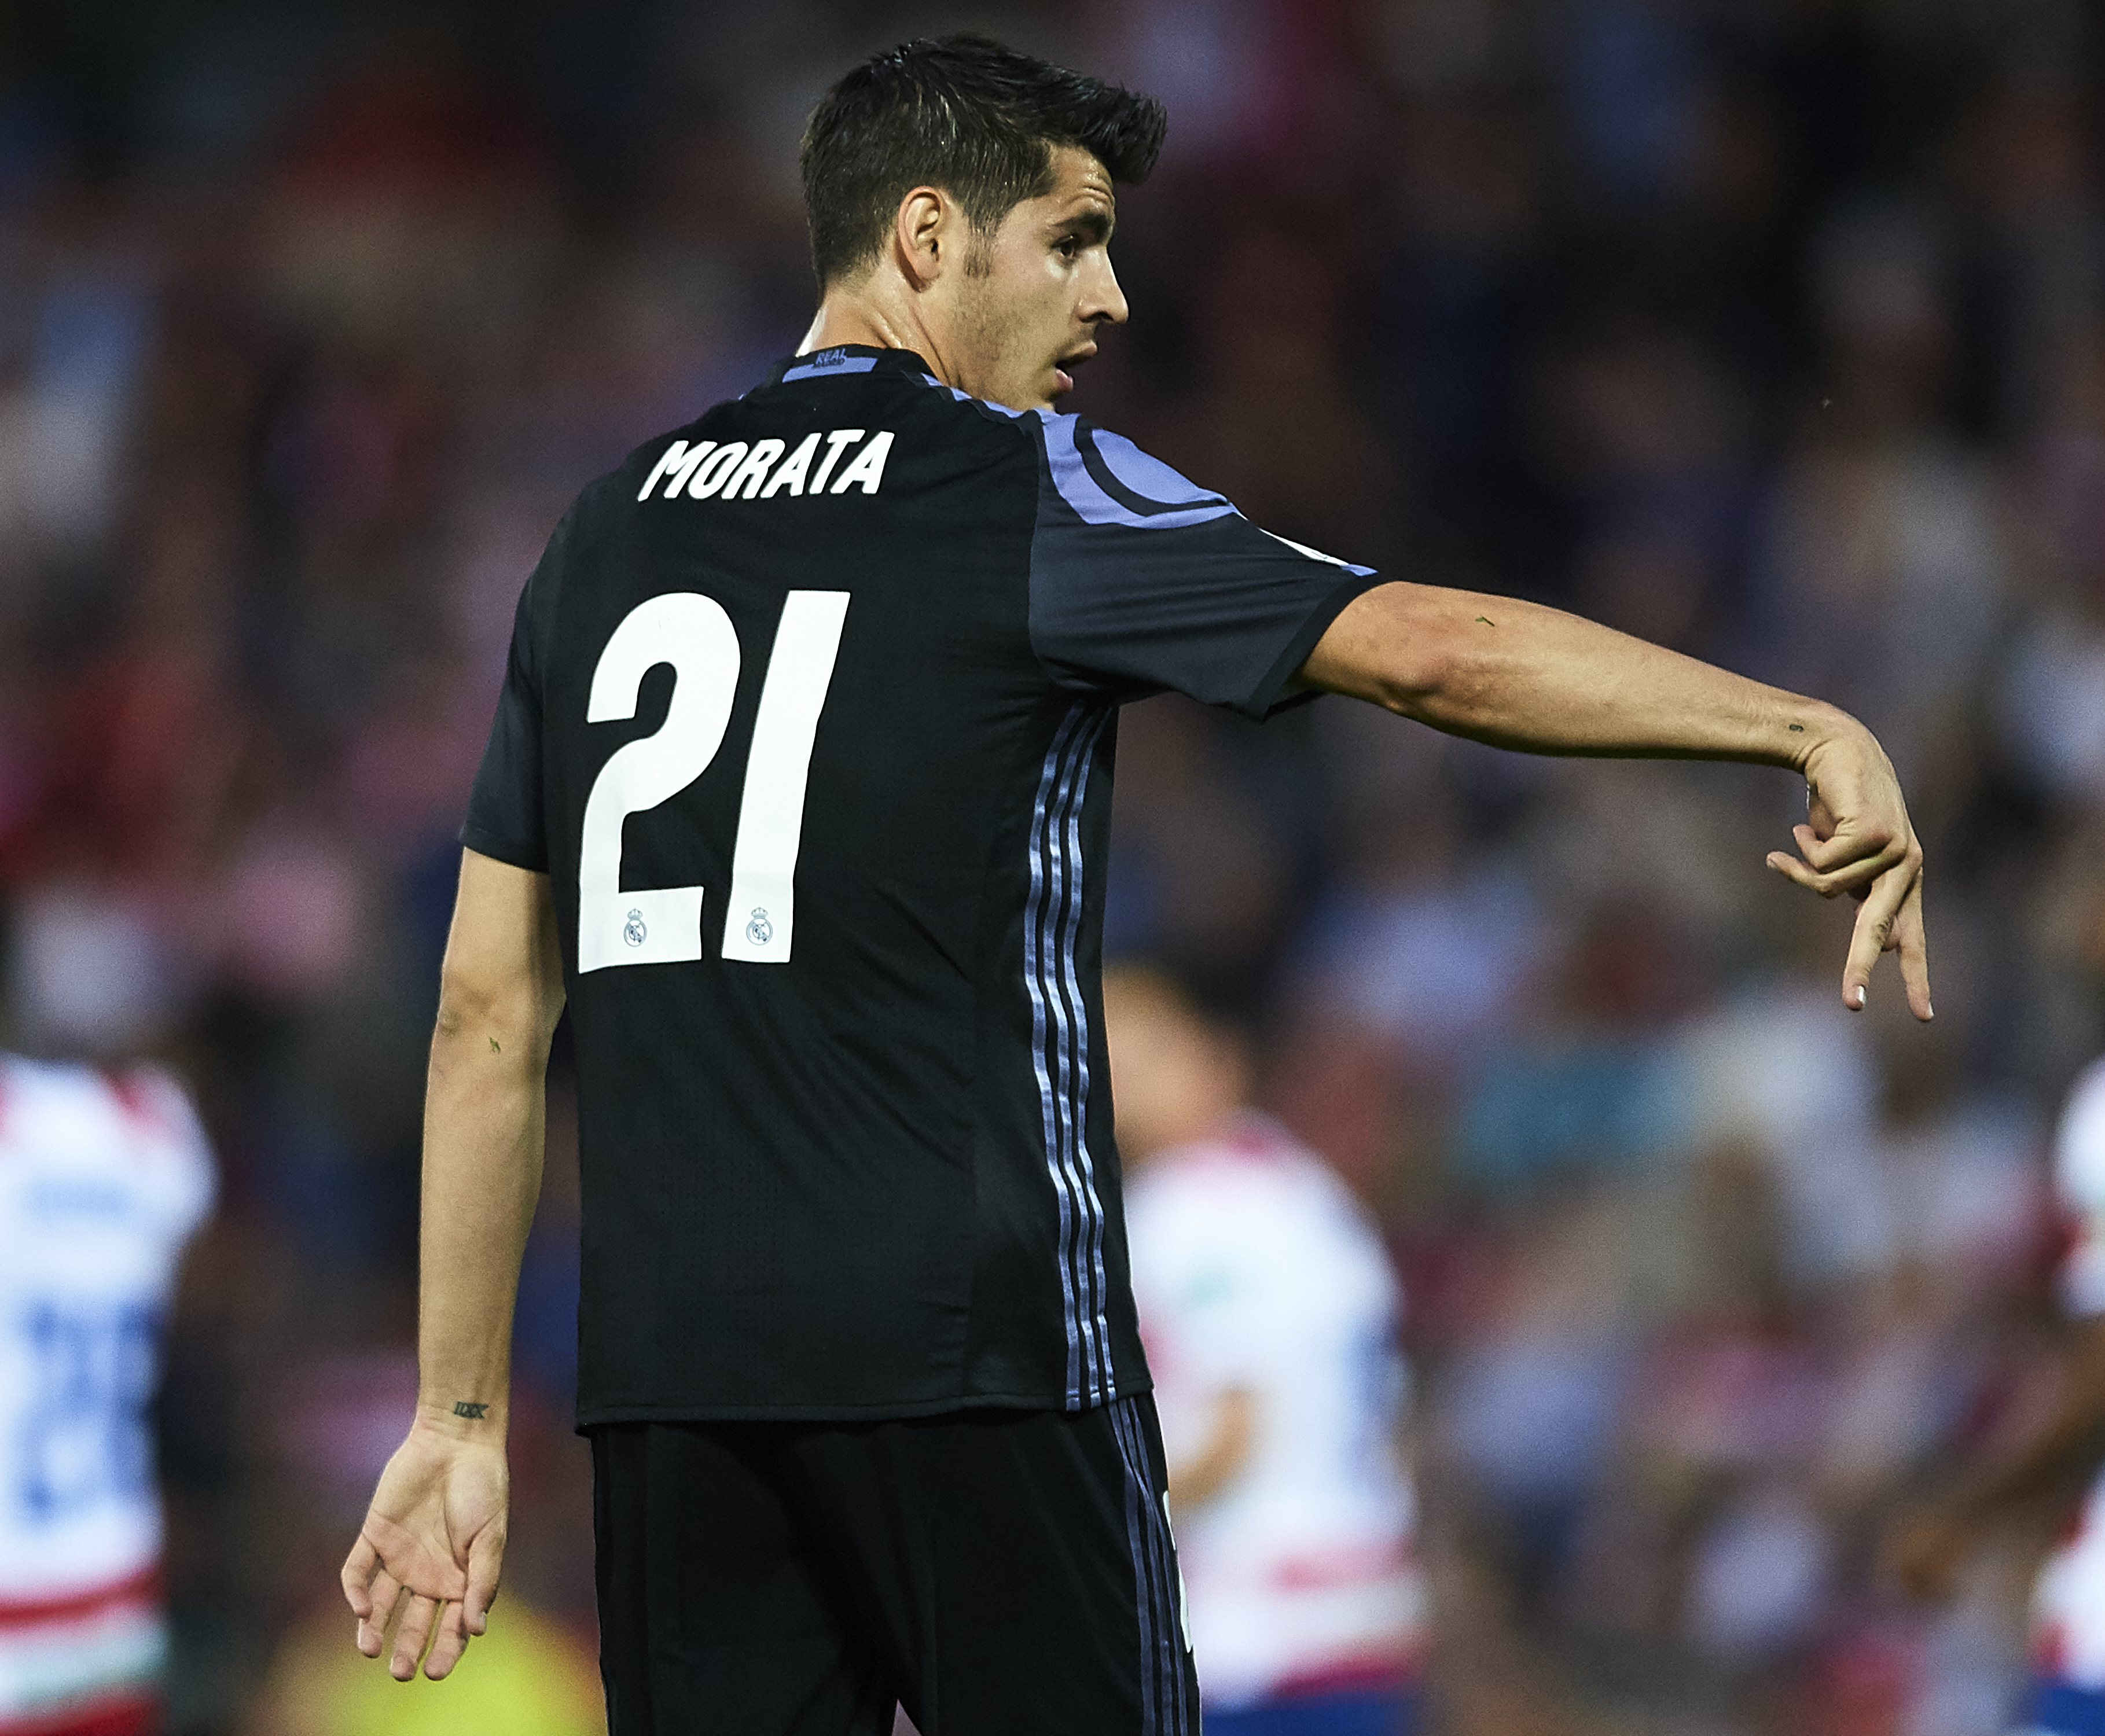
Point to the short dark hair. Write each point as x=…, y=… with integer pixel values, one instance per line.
x=964, y=114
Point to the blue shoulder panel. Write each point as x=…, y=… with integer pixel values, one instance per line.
x=1107, y=479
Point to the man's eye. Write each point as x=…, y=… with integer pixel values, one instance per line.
x=1070, y=246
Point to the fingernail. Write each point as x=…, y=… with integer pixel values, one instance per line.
x=1860, y=994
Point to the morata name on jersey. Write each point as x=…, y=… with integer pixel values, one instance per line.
x=736, y=471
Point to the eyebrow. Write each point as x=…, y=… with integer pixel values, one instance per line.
x=1095, y=224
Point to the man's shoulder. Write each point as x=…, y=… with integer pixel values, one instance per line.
x=1104, y=479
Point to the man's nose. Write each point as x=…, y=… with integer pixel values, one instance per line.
x=1105, y=302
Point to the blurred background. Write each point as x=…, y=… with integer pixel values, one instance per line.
x=1773, y=330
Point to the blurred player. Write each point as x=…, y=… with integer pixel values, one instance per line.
x=1269, y=1314
x=103, y=1178
x=2068, y=1696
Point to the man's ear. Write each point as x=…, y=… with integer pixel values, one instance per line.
x=928, y=228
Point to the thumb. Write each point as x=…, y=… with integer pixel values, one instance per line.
x=1818, y=814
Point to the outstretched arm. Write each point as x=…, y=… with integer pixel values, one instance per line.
x=433, y=1541
x=1518, y=674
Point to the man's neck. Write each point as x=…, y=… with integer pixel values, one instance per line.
x=846, y=318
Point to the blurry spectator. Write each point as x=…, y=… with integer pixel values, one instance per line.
x=1270, y=1315
x=103, y=1177
x=2044, y=1470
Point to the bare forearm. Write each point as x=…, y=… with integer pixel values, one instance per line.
x=501, y=991
x=1520, y=675
x=483, y=1143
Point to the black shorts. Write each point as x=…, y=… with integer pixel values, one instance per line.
x=998, y=1573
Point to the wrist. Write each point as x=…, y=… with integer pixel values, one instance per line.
x=1813, y=727
x=477, y=1419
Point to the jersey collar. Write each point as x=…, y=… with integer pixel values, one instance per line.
x=839, y=360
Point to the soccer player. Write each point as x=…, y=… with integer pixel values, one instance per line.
x=103, y=1179
x=797, y=794
x=2068, y=1696
x=1270, y=1312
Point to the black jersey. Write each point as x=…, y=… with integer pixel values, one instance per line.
x=809, y=718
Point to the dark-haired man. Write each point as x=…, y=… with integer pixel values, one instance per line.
x=797, y=794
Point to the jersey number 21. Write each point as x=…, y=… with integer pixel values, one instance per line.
x=692, y=633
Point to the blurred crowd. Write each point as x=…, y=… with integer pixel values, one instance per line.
x=1772, y=330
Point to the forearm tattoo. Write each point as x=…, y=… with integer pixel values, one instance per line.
x=469, y=1408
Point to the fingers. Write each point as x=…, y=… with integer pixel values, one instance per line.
x=1890, y=921
x=386, y=1608
x=1795, y=870
x=436, y=1529
x=485, y=1562
x=1849, y=861
x=1866, y=941
x=1827, y=850
x=1911, y=940
x=1853, y=877
x=413, y=1636
x=357, y=1576
x=449, y=1643
x=464, y=1618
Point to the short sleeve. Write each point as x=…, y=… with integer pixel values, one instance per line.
x=504, y=808
x=1142, y=582
x=2079, y=1179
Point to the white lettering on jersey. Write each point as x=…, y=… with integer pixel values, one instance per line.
x=868, y=466
x=751, y=474
x=693, y=633
x=678, y=461
x=790, y=473
x=771, y=814
x=738, y=471
x=836, y=443
x=716, y=470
